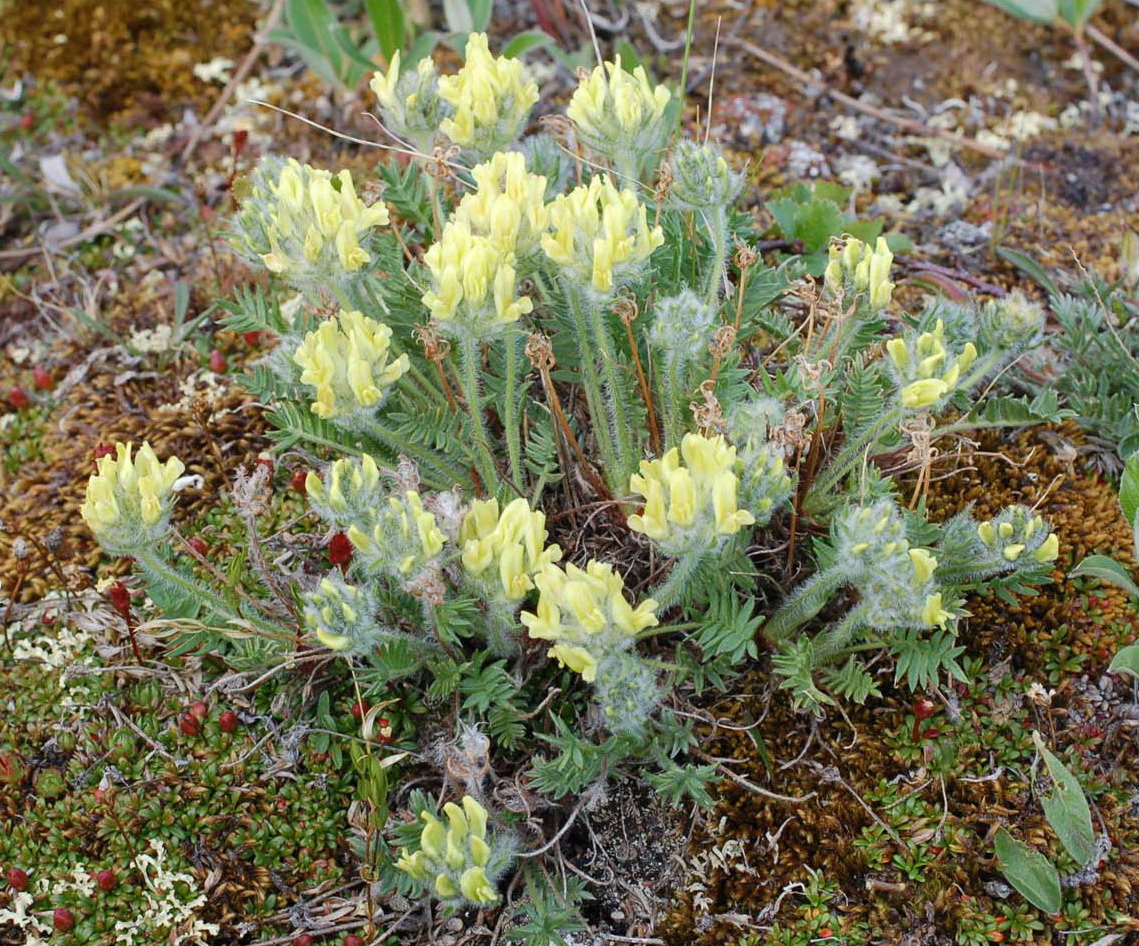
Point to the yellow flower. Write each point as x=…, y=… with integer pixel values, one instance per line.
x=933, y=613
x=866, y=270
x=585, y=614
x=694, y=504
x=491, y=98
x=346, y=361
x=615, y=111
x=454, y=856
x=512, y=543
x=474, y=282
x=128, y=498
x=600, y=233
x=305, y=223
x=921, y=364
x=1048, y=550
x=508, y=205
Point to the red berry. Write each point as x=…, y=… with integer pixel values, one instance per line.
x=228, y=721
x=199, y=545
x=359, y=710
x=298, y=481
x=353, y=940
x=120, y=598
x=340, y=551
x=28, y=121
x=199, y=710
x=64, y=921
x=302, y=939
x=217, y=362
x=17, y=879
x=42, y=378
x=106, y=880
x=190, y=724
x=383, y=731
x=18, y=398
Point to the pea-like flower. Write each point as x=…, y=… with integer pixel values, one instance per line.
x=868, y=538
x=600, y=234
x=129, y=499
x=456, y=859
x=399, y=538
x=409, y=100
x=491, y=97
x=928, y=372
x=304, y=223
x=349, y=490
x=346, y=361
x=690, y=506
x=504, y=550
x=508, y=204
x=1011, y=324
x=856, y=266
x=1017, y=538
x=474, y=283
x=585, y=614
x=620, y=115
x=341, y=615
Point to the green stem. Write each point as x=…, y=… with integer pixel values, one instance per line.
x=807, y=601
x=152, y=562
x=717, y=223
x=510, y=409
x=591, y=382
x=618, y=416
x=684, y=569
x=671, y=402
x=470, y=363
x=822, y=491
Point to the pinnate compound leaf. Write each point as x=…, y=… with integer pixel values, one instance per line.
x=1029, y=871
x=1066, y=807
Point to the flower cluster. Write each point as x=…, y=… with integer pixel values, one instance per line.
x=690, y=507
x=765, y=483
x=456, y=859
x=304, y=223
x=619, y=114
x=1016, y=538
x=600, y=234
x=681, y=329
x=349, y=490
x=129, y=500
x=409, y=101
x=585, y=614
x=1011, y=324
x=504, y=550
x=342, y=616
x=399, y=538
x=508, y=204
x=701, y=178
x=346, y=361
x=491, y=98
x=926, y=370
x=862, y=269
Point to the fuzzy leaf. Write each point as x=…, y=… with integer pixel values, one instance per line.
x=1066, y=808
x=1126, y=661
x=1106, y=569
x=1029, y=871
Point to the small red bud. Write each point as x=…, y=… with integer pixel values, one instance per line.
x=42, y=378
x=340, y=551
x=120, y=597
x=190, y=724
x=199, y=710
x=302, y=939
x=359, y=710
x=383, y=731
x=263, y=459
x=217, y=362
x=17, y=879
x=353, y=940
x=102, y=450
x=64, y=921
x=228, y=721
x=297, y=481
x=199, y=545
x=106, y=880
x=240, y=139
x=252, y=338
x=28, y=120
x=18, y=398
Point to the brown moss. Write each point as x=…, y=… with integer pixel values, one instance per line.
x=119, y=56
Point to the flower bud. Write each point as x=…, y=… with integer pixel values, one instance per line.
x=409, y=101
x=1011, y=324
x=858, y=268
x=1017, y=538
x=701, y=178
x=341, y=616
x=926, y=369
